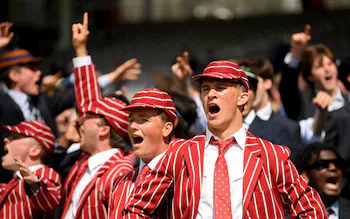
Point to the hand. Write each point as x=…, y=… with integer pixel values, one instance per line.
x=71, y=136
x=80, y=36
x=182, y=69
x=299, y=42
x=322, y=100
x=27, y=175
x=128, y=71
x=5, y=34
x=51, y=80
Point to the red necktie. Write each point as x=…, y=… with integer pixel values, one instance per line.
x=144, y=172
x=222, y=195
x=80, y=174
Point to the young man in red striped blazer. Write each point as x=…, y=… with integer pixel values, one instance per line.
x=151, y=123
x=35, y=189
x=225, y=172
x=103, y=131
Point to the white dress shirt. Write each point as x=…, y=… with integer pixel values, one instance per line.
x=31, y=168
x=22, y=100
x=248, y=120
x=265, y=112
x=234, y=159
x=95, y=162
x=335, y=209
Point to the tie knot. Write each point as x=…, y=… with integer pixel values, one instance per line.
x=144, y=172
x=223, y=145
x=330, y=211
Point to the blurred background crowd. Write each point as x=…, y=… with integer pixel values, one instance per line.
x=296, y=54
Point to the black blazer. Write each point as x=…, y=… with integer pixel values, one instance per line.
x=271, y=130
x=49, y=107
x=344, y=208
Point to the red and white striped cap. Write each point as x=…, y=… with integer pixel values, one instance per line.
x=36, y=129
x=223, y=70
x=153, y=98
x=110, y=109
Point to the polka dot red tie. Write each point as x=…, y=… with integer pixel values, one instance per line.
x=222, y=195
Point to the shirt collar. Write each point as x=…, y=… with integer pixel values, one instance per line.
x=19, y=97
x=152, y=164
x=265, y=112
x=249, y=118
x=335, y=207
x=240, y=137
x=101, y=158
x=31, y=168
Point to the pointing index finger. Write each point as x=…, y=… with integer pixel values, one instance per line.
x=86, y=21
x=307, y=30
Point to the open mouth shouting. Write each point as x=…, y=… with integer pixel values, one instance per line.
x=136, y=139
x=213, y=109
x=332, y=183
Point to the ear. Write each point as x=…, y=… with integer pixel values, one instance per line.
x=167, y=129
x=243, y=98
x=14, y=75
x=104, y=130
x=267, y=84
x=35, y=151
x=348, y=78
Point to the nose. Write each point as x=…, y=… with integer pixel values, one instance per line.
x=332, y=166
x=133, y=125
x=212, y=93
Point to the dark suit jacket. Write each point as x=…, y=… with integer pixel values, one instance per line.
x=271, y=130
x=344, y=208
x=49, y=107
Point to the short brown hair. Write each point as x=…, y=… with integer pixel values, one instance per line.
x=308, y=57
x=262, y=67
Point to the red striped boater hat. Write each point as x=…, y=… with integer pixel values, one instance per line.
x=36, y=129
x=110, y=109
x=223, y=70
x=153, y=98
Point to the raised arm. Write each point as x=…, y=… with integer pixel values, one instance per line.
x=87, y=89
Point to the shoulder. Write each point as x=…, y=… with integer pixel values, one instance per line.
x=271, y=150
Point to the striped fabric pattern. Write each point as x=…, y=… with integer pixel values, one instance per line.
x=94, y=200
x=15, y=203
x=223, y=70
x=89, y=99
x=38, y=130
x=121, y=193
x=271, y=183
x=153, y=98
x=17, y=57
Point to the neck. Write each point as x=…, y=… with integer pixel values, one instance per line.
x=100, y=147
x=163, y=147
x=226, y=131
x=263, y=103
x=329, y=201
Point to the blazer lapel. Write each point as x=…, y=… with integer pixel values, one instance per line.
x=92, y=184
x=194, y=163
x=10, y=186
x=252, y=168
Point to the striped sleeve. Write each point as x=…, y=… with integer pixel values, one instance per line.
x=48, y=195
x=149, y=194
x=86, y=87
x=2, y=189
x=299, y=199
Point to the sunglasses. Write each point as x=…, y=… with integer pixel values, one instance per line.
x=324, y=164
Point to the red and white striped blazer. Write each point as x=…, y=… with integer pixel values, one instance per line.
x=271, y=183
x=123, y=189
x=93, y=202
x=15, y=203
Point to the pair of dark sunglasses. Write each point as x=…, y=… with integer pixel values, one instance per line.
x=324, y=164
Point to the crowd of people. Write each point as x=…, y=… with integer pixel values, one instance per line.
x=237, y=140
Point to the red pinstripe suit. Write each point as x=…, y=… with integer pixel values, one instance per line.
x=271, y=184
x=93, y=202
x=122, y=191
x=15, y=203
